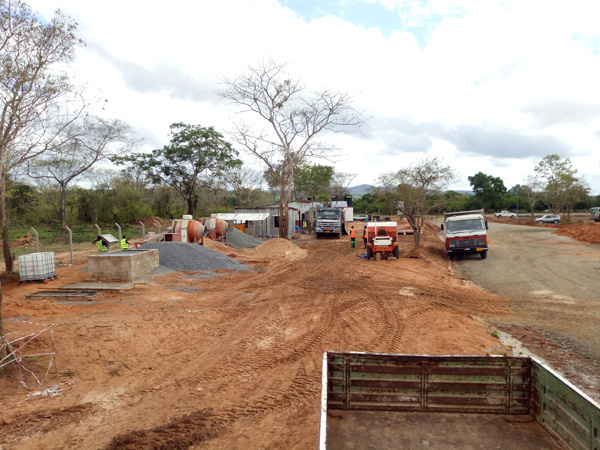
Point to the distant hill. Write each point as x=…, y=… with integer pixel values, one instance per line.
x=360, y=189
x=363, y=189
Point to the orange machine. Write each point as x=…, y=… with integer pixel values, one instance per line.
x=216, y=228
x=382, y=239
x=186, y=230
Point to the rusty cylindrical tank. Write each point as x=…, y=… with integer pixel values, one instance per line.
x=191, y=230
x=216, y=228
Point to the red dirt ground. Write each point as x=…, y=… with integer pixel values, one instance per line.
x=235, y=361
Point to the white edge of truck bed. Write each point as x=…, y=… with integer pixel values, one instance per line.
x=323, y=422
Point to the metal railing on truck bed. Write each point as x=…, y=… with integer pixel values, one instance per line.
x=369, y=383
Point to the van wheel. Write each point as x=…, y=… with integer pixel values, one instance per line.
x=555, y=222
x=483, y=255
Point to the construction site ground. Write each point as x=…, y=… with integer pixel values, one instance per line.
x=234, y=362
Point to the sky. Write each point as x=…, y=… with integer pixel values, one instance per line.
x=487, y=86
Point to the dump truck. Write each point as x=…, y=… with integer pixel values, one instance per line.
x=382, y=239
x=386, y=401
x=466, y=233
x=329, y=222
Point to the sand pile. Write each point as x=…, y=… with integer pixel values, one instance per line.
x=271, y=250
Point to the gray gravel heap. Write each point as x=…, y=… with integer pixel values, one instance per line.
x=236, y=239
x=181, y=256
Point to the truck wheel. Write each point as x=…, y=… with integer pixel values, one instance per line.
x=369, y=253
x=483, y=255
x=396, y=252
x=318, y=235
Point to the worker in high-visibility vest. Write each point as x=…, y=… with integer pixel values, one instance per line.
x=101, y=245
x=352, y=237
x=365, y=236
x=124, y=243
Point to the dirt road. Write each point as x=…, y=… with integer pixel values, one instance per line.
x=235, y=361
x=553, y=285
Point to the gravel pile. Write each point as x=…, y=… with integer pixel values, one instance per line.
x=236, y=239
x=181, y=256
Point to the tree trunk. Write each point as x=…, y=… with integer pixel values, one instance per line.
x=8, y=262
x=3, y=340
x=63, y=208
x=190, y=205
x=282, y=213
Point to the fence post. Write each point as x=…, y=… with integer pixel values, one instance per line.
x=70, y=242
x=98, y=228
x=119, y=227
x=143, y=230
x=37, y=240
x=158, y=224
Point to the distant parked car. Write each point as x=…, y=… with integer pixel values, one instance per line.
x=505, y=214
x=548, y=218
x=360, y=217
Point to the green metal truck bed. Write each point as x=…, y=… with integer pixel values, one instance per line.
x=452, y=402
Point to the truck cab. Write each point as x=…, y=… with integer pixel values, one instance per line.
x=466, y=233
x=328, y=221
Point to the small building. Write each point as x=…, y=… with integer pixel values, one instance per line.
x=269, y=227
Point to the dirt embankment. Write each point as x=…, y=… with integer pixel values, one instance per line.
x=235, y=361
x=582, y=230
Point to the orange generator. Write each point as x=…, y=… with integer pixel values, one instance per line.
x=382, y=239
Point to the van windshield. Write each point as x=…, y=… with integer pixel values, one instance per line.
x=465, y=225
x=329, y=214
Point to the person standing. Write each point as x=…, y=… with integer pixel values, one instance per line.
x=304, y=226
x=365, y=237
x=352, y=237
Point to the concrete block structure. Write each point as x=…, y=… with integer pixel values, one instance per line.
x=124, y=265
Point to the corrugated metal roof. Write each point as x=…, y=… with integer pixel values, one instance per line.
x=242, y=216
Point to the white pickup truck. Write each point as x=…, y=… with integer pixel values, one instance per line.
x=505, y=214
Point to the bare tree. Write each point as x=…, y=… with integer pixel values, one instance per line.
x=418, y=190
x=290, y=119
x=340, y=184
x=79, y=146
x=533, y=191
x=244, y=181
x=31, y=86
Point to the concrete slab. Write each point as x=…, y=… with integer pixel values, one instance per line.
x=63, y=295
x=98, y=286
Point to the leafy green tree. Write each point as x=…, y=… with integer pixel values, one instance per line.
x=315, y=180
x=196, y=156
x=562, y=188
x=456, y=202
x=22, y=199
x=487, y=189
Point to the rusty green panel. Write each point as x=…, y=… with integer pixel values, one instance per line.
x=564, y=411
x=429, y=383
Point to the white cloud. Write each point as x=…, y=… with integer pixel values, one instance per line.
x=484, y=82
